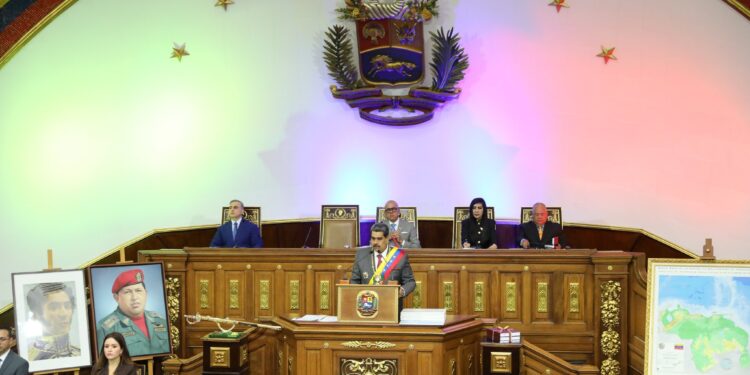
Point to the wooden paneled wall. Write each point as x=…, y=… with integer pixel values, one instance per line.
x=553, y=297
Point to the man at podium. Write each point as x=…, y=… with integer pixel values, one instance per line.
x=380, y=263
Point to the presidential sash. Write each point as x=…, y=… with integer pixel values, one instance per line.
x=386, y=266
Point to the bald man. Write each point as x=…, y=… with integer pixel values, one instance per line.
x=402, y=232
x=539, y=233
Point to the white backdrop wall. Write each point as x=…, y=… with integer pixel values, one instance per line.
x=103, y=137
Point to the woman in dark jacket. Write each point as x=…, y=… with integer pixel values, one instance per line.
x=114, y=358
x=478, y=231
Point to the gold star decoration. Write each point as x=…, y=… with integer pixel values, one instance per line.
x=607, y=54
x=178, y=51
x=559, y=4
x=224, y=3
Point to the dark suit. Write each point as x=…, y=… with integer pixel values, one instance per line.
x=529, y=232
x=248, y=235
x=122, y=369
x=480, y=235
x=14, y=365
x=363, y=269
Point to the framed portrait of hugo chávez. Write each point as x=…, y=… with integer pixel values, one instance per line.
x=52, y=327
x=698, y=317
x=130, y=299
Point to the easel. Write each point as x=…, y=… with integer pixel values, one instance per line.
x=149, y=362
x=149, y=359
x=708, y=251
x=122, y=257
x=51, y=268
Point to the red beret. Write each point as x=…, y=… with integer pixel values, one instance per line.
x=131, y=277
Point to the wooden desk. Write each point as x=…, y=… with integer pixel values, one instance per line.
x=314, y=348
x=554, y=297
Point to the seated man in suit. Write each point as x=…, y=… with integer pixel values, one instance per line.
x=379, y=262
x=540, y=233
x=402, y=232
x=237, y=232
x=10, y=362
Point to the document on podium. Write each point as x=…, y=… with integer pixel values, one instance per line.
x=316, y=318
x=423, y=317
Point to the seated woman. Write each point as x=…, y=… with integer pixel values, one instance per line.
x=114, y=358
x=478, y=231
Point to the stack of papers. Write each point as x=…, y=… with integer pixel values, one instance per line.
x=423, y=317
x=316, y=318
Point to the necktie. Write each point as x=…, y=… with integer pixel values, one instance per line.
x=393, y=227
x=234, y=230
x=541, y=231
x=380, y=259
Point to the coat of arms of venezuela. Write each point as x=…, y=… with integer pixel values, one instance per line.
x=390, y=44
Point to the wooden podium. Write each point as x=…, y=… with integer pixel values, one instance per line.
x=317, y=348
x=226, y=355
x=367, y=304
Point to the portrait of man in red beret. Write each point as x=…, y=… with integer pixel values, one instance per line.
x=146, y=331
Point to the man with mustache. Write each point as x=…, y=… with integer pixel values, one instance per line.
x=52, y=304
x=145, y=332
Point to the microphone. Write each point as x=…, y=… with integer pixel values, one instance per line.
x=304, y=245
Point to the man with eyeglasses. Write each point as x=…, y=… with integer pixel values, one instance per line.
x=10, y=362
x=402, y=232
x=238, y=231
x=145, y=332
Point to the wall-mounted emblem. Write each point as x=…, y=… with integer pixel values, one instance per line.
x=385, y=86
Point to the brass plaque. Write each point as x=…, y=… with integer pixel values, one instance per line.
x=510, y=296
x=265, y=294
x=416, y=300
x=542, y=297
x=479, y=296
x=448, y=295
x=219, y=357
x=575, y=304
x=325, y=294
x=501, y=362
x=293, y=294
x=203, y=286
x=234, y=294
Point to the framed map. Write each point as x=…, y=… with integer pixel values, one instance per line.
x=698, y=317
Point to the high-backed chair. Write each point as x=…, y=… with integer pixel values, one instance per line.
x=460, y=214
x=555, y=214
x=339, y=226
x=407, y=213
x=251, y=213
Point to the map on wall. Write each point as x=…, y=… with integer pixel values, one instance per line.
x=699, y=319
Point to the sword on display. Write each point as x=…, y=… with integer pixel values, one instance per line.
x=194, y=319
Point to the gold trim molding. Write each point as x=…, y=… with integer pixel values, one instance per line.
x=173, y=309
x=610, y=340
x=368, y=344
